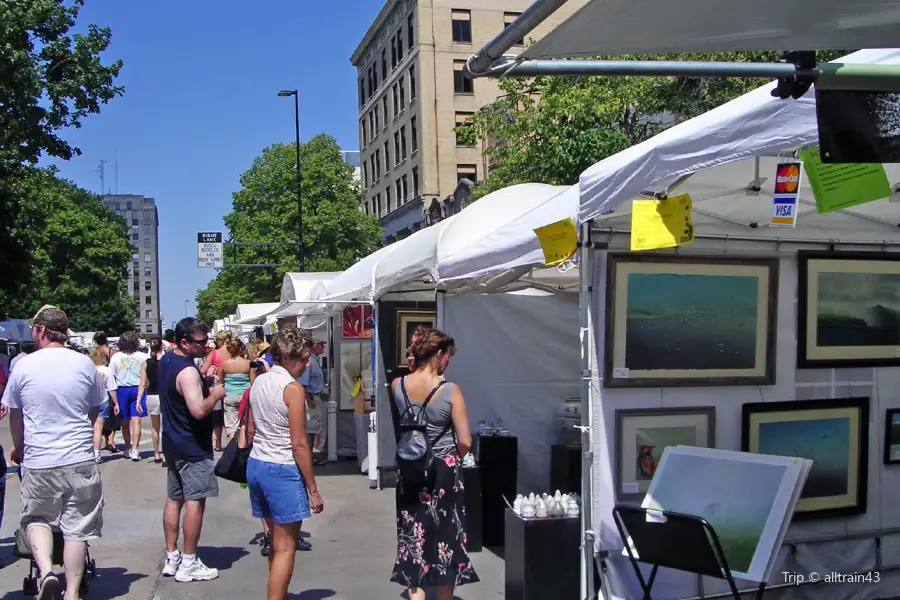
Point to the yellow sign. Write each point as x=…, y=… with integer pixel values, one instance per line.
x=661, y=223
x=558, y=240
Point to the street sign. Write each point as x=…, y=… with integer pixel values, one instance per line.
x=210, y=253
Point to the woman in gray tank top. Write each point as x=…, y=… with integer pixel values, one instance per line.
x=431, y=537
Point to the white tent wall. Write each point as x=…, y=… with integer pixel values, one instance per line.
x=842, y=545
x=517, y=359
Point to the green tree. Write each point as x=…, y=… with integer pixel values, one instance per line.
x=336, y=233
x=550, y=129
x=50, y=79
x=79, y=254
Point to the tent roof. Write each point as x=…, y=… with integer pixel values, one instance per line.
x=246, y=313
x=299, y=286
x=605, y=27
x=755, y=124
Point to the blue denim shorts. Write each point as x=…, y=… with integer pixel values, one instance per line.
x=105, y=411
x=277, y=492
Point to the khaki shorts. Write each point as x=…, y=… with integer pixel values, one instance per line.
x=66, y=498
x=231, y=404
x=315, y=423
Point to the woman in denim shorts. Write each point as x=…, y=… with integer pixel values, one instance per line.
x=280, y=476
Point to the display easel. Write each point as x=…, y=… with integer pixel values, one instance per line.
x=675, y=541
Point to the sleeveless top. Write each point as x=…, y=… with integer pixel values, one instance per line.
x=152, y=376
x=437, y=411
x=183, y=436
x=272, y=432
x=236, y=383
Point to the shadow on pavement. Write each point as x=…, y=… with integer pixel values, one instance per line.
x=312, y=595
x=430, y=595
x=111, y=582
x=221, y=557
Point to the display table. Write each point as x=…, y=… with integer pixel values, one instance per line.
x=498, y=458
x=565, y=469
x=474, y=508
x=543, y=558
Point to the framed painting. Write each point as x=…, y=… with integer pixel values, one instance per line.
x=642, y=435
x=357, y=322
x=834, y=434
x=407, y=322
x=892, y=436
x=848, y=309
x=685, y=321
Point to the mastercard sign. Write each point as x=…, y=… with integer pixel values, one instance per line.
x=787, y=178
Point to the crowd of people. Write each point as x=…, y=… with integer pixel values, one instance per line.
x=269, y=396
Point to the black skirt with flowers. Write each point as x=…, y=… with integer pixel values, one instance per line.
x=431, y=529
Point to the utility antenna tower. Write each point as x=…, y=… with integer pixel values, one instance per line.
x=102, y=170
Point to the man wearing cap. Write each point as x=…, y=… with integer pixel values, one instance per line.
x=314, y=381
x=52, y=397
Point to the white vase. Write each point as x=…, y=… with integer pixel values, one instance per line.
x=540, y=509
x=527, y=509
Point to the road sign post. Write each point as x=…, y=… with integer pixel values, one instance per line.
x=210, y=252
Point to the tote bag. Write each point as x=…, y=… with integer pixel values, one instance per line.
x=232, y=465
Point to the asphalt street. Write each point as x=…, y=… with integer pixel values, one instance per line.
x=353, y=542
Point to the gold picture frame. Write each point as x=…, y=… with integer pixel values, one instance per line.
x=407, y=322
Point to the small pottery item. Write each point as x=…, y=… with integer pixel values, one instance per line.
x=572, y=509
x=532, y=498
x=556, y=509
x=540, y=509
x=557, y=496
x=527, y=509
x=517, y=504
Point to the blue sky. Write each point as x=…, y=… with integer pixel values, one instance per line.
x=200, y=103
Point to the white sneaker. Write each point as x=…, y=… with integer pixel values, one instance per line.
x=135, y=456
x=97, y=458
x=197, y=571
x=171, y=566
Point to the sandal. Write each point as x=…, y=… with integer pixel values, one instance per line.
x=49, y=588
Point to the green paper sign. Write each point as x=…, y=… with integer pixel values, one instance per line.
x=841, y=186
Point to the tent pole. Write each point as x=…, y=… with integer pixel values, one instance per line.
x=585, y=250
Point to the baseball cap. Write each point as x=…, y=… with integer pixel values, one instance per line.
x=30, y=322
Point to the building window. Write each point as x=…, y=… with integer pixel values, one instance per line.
x=146, y=228
x=375, y=175
x=384, y=62
x=461, y=83
x=378, y=164
x=118, y=206
x=363, y=132
x=508, y=18
x=400, y=44
x=146, y=257
x=462, y=26
x=402, y=86
x=412, y=83
x=128, y=205
x=462, y=129
x=136, y=257
x=403, y=142
x=469, y=172
x=148, y=299
x=397, y=147
x=137, y=287
x=410, y=39
x=415, y=178
x=147, y=272
x=395, y=93
x=134, y=230
x=393, y=52
x=372, y=125
x=365, y=167
x=377, y=122
x=147, y=286
x=405, y=187
x=384, y=110
x=147, y=214
x=148, y=328
x=399, y=188
x=387, y=158
x=413, y=135
x=387, y=198
x=148, y=314
x=362, y=91
x=146, y=242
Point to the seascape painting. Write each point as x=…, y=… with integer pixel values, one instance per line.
x=858, y=309
x=825, y=441
x=737, y=499
x=650, y=443
x=892, y=436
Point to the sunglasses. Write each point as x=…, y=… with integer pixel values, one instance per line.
x=203, y=341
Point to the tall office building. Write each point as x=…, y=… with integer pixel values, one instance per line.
x=412, y=94
x=142, y=219
x=352, y=157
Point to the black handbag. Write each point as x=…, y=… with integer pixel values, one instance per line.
x=232, y=465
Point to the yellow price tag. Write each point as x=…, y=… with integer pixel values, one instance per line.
x=661, y=223
x=558, y=240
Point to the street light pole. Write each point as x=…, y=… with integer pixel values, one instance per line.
x=296, y=95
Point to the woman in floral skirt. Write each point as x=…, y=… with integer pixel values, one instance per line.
x=431, y=538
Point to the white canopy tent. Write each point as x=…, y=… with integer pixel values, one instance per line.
x=253, y=314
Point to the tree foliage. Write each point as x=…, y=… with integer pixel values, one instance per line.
x=50, y=79
x=79, y=254
x=550, y=129
x=336, y=233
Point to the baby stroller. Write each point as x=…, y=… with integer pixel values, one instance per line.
x=23, y=550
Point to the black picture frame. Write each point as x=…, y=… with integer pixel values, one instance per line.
x=862, y=405
x=804, y=360
x=888, y=419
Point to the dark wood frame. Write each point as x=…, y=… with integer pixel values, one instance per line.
x=622, y=414
x=888, y=416
x=803, y=258
x=862, y=468
x=767, y=379
x=399, y=349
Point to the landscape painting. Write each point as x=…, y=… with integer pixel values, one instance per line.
x=745, y=501
x=642, y=435
x=679, y=321
x=407, y=323
x=831, y=433
x=892, y=436
x=849, y=309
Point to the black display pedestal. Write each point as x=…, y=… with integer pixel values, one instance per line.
x=675, y=541
x=498, y=459
x=543, y=558
x=565, y=469
x=474, y=508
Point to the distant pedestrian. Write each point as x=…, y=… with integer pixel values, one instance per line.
x=187, y=428
x=123, y=382
x=314, y=381
x=52, y=396
x=108, y=408
x=149, y=385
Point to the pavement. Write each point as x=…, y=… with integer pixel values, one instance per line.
x=353, y=541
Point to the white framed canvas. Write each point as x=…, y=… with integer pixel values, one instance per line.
x=748, y=499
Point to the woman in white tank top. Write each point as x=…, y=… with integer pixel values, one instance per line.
x=280, y=476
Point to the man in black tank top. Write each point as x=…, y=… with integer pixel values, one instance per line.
x=186, y=405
